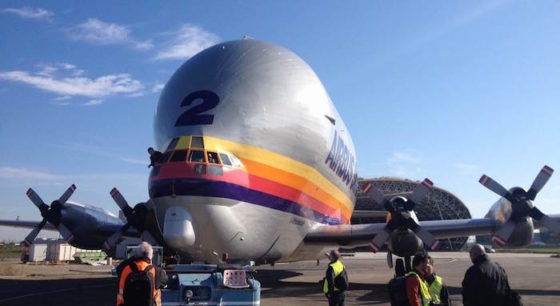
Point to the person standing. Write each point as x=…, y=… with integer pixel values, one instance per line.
x=485, y=282
x=139, y=281
x=436, y=287
x=336, y=268
x=416, y=287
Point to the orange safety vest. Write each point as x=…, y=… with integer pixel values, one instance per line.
x=141, y=265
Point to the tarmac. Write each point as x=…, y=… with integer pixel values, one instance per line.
x=535, y=276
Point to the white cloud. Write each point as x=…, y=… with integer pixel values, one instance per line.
x=157, y=87
x=26, y=174
x=186, y=42
x=30, y=13
x=102, y=152
x=404, y=164
x=75, y=85
x=466, y=168
x=105, y=33
x=93, y=102
x=403, y=157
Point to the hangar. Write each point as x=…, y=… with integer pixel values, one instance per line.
x=440, y=204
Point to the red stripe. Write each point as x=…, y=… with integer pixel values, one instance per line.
x=548, y=170
x=241, y=178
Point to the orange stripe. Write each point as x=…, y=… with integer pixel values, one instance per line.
x=296, y=182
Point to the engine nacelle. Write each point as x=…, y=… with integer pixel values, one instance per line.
x=522, y=235
x=404, y=243
x=86, y=222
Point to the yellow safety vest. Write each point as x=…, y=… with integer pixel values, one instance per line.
x=424, y=297
x=435, y=289
x=337, y=267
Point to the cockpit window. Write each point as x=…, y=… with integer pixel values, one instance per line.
x=165, y=157
x=179, y=156
x=173, y=143
x=225, y=159
x=215, y=170
x=197, y=142
x=213, y=158
x=196, y=156
x=235, y=161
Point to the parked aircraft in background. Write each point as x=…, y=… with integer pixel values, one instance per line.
x=259, y=165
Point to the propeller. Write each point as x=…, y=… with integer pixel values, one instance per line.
x=135, y=217
x=51, y=214
x=521, y=204
x=400, y=209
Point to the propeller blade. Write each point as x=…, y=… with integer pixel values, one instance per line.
x=489, y=183
x=35, y=198
x=428, y=239
x=28, y=241
x=502, y=235
x=121, y=202
x=65, y=232
x=378, y=241
x=374, y=193
x=552, y=225
x=545, y=220
x=111, y=242
x=539, y=182
x=67, y=194
x=421, y=191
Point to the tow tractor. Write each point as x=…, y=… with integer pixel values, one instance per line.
x=203, y=284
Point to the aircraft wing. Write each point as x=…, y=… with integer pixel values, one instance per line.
x=361, y=234
x=358, y=234
x=26, y=224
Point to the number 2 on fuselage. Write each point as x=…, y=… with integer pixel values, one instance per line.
x=193, y=115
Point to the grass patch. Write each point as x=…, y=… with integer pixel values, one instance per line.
x=11, y=250
x=533, y=250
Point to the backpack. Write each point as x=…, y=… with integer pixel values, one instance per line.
x=397, y=291
x=341, y=281
x=139, y=287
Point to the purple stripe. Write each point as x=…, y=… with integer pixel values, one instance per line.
x=208, y=188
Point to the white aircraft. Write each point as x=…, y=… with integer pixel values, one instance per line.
x=259, y=165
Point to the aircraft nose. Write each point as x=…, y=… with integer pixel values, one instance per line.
x=178, y=228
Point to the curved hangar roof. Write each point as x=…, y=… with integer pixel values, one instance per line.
x=440, y=204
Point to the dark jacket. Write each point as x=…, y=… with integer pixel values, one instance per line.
x=155, y=158
x=485, y=283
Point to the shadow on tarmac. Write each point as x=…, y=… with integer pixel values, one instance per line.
x=46, y=292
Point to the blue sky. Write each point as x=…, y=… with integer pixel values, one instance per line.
x=440, y=89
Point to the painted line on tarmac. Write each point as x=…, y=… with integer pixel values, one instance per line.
x=449, y=260
x=51, y=292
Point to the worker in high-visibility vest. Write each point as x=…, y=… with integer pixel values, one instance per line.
x=139, y=281
x=436, y=287
x=334, y=294
x=416, y=287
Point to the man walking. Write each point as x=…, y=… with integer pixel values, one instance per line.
x=334, y=294
x=485, y=282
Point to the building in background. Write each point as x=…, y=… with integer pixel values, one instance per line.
x=440, y=204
